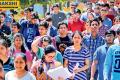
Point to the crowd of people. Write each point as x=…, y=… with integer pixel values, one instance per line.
x=31, y=46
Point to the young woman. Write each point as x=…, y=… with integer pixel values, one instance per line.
x=45, y=41
x=41, y=66
x=77, y=58
x=21, y=70
x=19, y=46
x=7, y=61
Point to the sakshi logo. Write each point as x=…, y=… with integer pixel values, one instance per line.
x=9, y=4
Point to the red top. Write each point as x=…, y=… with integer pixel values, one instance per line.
x=76, y=25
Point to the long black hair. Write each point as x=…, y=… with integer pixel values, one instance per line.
x=47, y=50
x=23, y=45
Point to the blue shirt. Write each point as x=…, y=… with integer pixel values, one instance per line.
x=74, y=58
x=92, y=44
x=52, y=31
x=100, y=55
x=107, y=22
x=8, y=66
x=5, y=29
x=112, y=63
x=29, y=31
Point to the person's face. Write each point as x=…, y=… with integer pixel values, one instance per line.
x=15, y=29
x=50, y=57
x=104, y=11
x=2, y=18
x=97, y=10
x=42, y=30
x=62, y=29
x=110, y=38
x=18, y=42
x=90, y=16
x=117, y=21
x=73, y=8
x=44, y=44
x=1, y=72
x=94, y=27
x=89, y=9
x=33, y=21
x=19, y=63
x=3, y=50
x=77, y=16
x=56, y=9
x=77, y=39
x=111, y=4
x=28, y=14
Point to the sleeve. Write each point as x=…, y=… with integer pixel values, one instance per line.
x=37, y=31
x=87, y=54
x=69, y=26
x=29, y=56
x=83, y=28
x=66, y=52
x=7, y=31
x=59, y=57
x=39, y=53
x=64, y=16
x=96, y=54
x=108, y=63
x=6, y=76
x=85, y=41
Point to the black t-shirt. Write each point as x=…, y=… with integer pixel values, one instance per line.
x=66, y=40
x=5, y=29
x=8, y=65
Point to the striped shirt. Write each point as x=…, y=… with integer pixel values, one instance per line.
x=8, y=66
x=92, y=44
x=74, y=58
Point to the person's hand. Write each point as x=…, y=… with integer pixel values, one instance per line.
x=76, y=70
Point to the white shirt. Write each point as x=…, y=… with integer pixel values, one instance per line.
x=27, y=76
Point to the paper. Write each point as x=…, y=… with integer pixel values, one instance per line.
x=59, y=72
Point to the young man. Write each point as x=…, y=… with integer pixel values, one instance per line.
x=63, y=38
x=29, y=29
x=112, y=61
x=3, y=28
x=106, y=23
x=57, y=15
x=100, y=54
x=93, y=41
x=52, y=30
x=75, y=23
